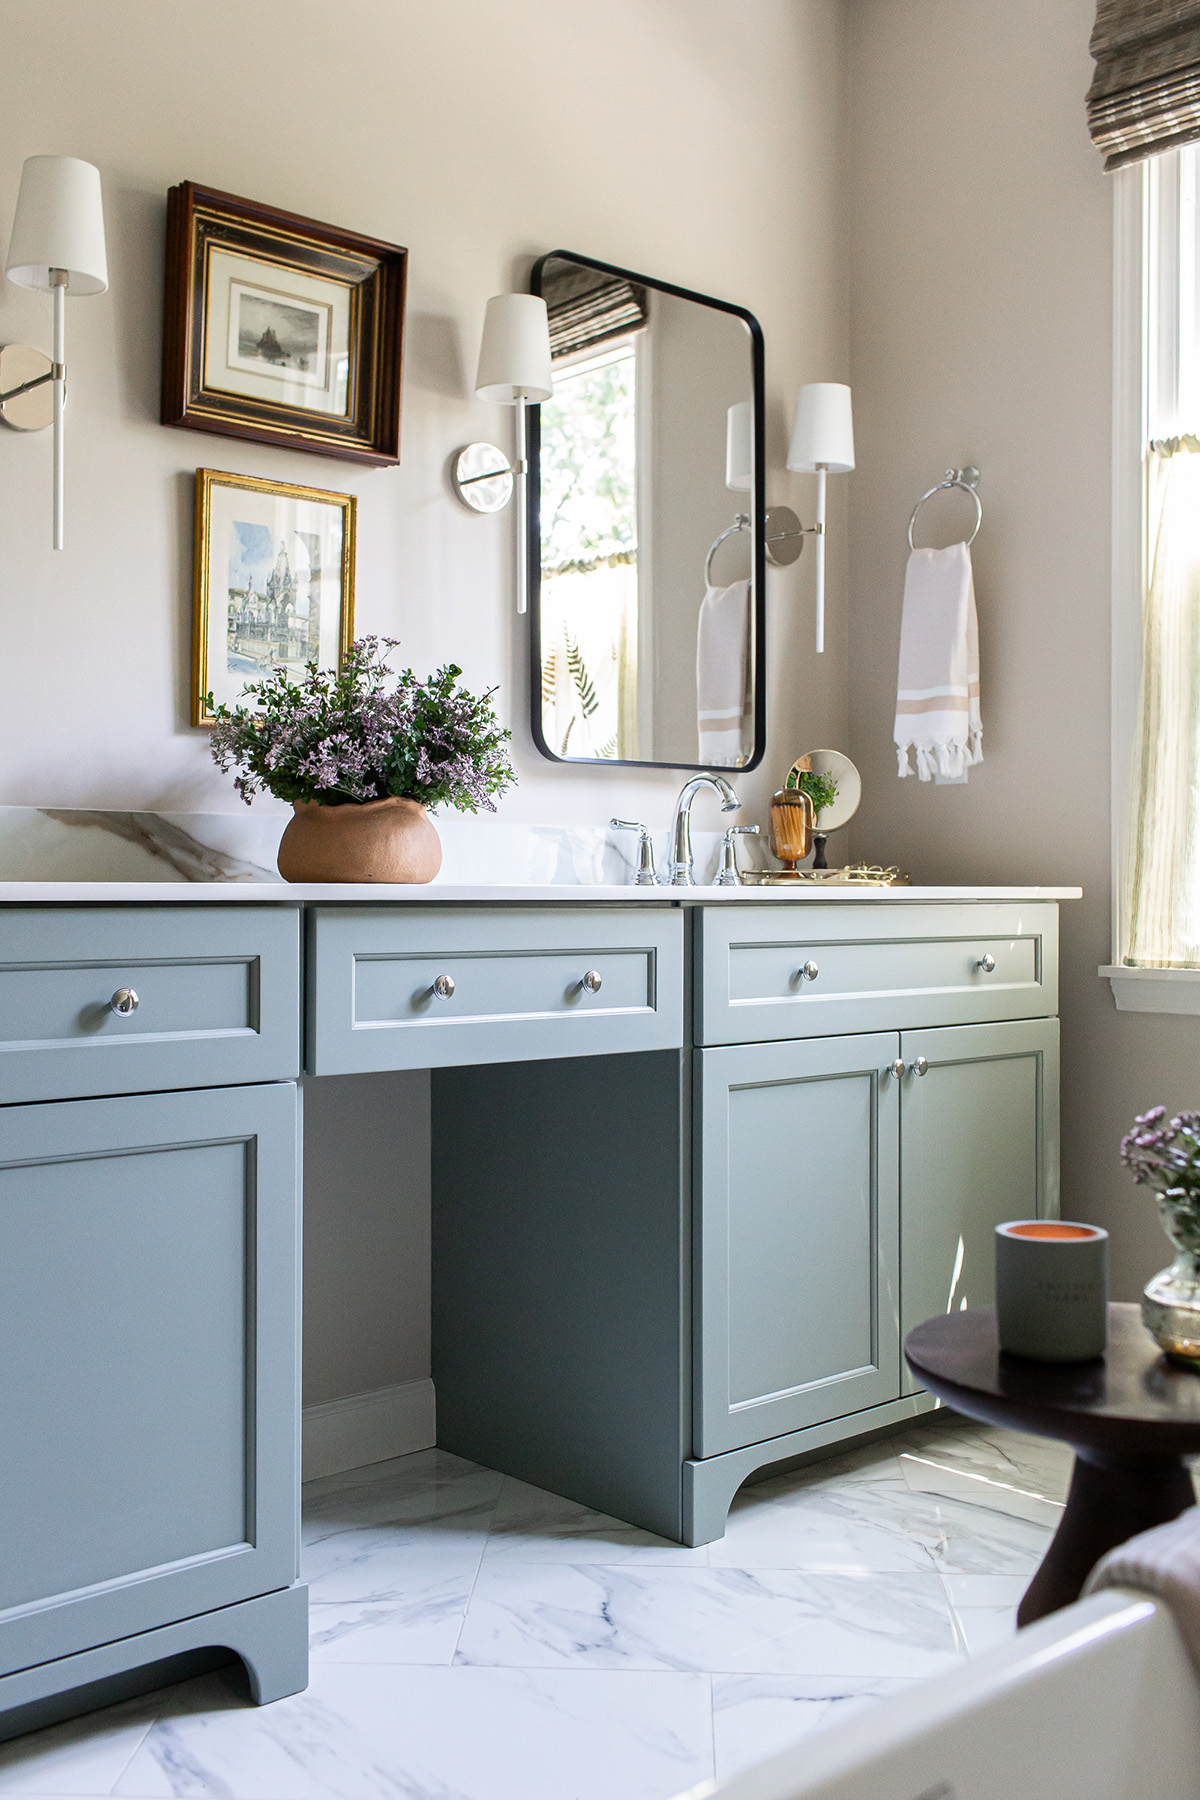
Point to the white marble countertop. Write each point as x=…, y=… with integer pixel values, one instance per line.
x=436, y=893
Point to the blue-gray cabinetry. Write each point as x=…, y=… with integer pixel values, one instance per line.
x=149, y=1264
x=868, y=1089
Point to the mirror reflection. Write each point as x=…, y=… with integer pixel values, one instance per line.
x=645, y=540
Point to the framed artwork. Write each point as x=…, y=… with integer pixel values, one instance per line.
x=274, y=583
x=281, y=329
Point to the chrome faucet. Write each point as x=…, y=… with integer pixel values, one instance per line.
x=681, y=832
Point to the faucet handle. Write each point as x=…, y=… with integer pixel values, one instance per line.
x=646, y=876
x=729, y=875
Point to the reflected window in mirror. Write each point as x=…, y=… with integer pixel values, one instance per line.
x=646, y=547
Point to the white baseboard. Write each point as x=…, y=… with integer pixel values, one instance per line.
x=368, y=1428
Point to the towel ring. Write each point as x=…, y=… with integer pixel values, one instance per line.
x=966, y=479
x=781, y=527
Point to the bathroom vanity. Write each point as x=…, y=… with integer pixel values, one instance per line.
x=701, y=1158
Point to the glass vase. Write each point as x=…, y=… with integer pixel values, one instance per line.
x=1171, y=1308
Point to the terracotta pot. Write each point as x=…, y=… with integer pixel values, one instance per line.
x=377, y=840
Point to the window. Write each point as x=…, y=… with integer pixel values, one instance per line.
x=589, y=593
x=1156, y=660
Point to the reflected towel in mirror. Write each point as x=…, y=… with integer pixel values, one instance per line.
x=937, y=700
x=724, y=677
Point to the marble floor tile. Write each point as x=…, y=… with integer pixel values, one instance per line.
x=389, y=1562
x=857, y=1526
x=431, y=1484
x=423, y=1627
x=82, y=1756
x=983, y=1627
x=1008, y=1471
x=765, y=1621
x=754, y=1716
x=530, y=1526
x=370, y=1733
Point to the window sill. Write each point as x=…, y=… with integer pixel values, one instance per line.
x=1154, y=990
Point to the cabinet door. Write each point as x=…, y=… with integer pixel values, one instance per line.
x=979, y=1144
x=148, y=1393
x=798, y=1291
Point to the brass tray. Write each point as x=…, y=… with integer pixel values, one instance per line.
x=859, y=875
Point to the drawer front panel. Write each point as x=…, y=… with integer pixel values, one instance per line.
x=511, y=983
x=218, y=994
x=812, y=970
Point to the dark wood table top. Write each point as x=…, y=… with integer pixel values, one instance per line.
x=1131, y=1401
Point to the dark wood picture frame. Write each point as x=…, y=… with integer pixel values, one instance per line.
x=371, y=273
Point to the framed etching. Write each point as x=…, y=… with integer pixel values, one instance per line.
x=274, y=583
x=280, y=329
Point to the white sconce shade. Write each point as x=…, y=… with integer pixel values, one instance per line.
x=514, y=354
x=59, y=224
x=823, y=434
x=739, y=447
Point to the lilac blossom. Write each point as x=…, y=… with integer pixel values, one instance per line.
x=345, y=738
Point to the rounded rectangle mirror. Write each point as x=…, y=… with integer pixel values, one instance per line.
x=645, y=524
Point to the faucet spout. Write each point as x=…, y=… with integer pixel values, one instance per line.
x=682, y=862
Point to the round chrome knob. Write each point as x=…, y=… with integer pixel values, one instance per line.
x=443, y=987
x=809, y=970
x=123, y=1002
x=897, y=1068
x=920, y=1067
x=987, y=963
x=593, y=981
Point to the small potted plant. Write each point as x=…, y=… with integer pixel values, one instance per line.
x=1166, y=1157
x=362, y=761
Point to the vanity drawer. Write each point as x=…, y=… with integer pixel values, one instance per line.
x=517, y=994
x=884, y=967
x=218, y=999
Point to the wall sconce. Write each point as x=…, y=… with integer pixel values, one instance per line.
x=515, y=370
x=822, y=442
x=57, y=243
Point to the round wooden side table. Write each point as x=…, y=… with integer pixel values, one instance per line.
x=1130, y=1417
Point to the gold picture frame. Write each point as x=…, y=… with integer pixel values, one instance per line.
x=273, y=582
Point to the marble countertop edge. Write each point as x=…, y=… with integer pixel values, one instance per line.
x=185, y=893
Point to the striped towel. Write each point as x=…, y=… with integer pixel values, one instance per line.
x=937, y=699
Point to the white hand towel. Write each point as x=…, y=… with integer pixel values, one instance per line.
x=937, y=699
x=724, y=691
x=1164, y=1561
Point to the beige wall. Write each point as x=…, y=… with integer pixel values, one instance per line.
x=981, y=332
x=696, y=140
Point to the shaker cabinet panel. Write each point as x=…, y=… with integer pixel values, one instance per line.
x=148, y=1322
x=979, y=1144
x=408, y=988
x=797, y=1281
x=768, y=972
x=217, y=999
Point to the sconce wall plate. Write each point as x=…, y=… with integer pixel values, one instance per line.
x=32, y=411
x=482, y=477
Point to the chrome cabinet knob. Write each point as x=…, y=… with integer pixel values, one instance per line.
x=123, y=1002
x=443, y=987
x=987, y=963
x=920, y=1067
x=897, y=1068
x=809, y=970
x=593, y=981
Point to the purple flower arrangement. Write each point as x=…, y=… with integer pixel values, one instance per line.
x=347, y=737
x=1166, y=1157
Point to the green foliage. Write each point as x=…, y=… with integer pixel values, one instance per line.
x=822, y=790
x=579, y=675
x=344, y=737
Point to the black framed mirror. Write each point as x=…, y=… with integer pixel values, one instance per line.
x=645, y=525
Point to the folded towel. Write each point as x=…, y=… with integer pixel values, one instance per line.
x=937, y=700
x=1164, y=1562
x=724, y=676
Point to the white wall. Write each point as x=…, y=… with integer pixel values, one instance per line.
x=696, y=140
x=981, y=308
